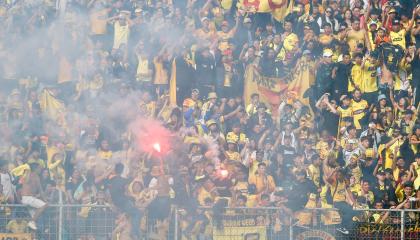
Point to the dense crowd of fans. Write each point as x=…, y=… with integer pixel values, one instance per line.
x=76, y=76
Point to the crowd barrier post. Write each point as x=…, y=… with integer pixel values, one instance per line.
x=176, y=224
x=291, y=229
x=60, y=217
x=402, y=224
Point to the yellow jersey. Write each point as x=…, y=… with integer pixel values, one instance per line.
x=234, y=156
x=314, y=174
x=338, y=191
x=358, y=113
x=356, y=76
x=344, y=113
x=398, y=38
x=263, y=183
x=417, y=180
x=121, y=33
x=369, y=78
x=354, y=38
x=388, y=160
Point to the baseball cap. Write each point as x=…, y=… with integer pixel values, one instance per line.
x=380, y=97
x=306, y=52
x=396, y=22
x=247, y=20
x=327, y=53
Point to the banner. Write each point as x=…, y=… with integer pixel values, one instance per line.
x=15, y=236
x=242, y=228
x=278, y=8
x=272, y=90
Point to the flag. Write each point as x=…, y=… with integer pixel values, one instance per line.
x=172, y=85
x=278, y=8
x=273, y=90
x=269, y=89
x=52, y=107
x=303, y=77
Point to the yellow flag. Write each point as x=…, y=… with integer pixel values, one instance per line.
x=278, y=8
x=172, y=85
x=226, y=4
x=280, y=13
x=262, y=5
x=303, y=78
x=269, y=89
x=52, y=107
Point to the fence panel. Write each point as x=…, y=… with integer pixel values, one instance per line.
x=98, y=222
x=74, y=222
x=233, y=224
x=364, y=224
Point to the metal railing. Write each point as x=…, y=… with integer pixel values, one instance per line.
x=328, y=223
x=60, y=222
x=102, y=222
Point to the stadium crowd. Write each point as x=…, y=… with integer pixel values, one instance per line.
x=140, y=105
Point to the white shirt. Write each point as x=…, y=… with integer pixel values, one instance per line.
x=8, y=187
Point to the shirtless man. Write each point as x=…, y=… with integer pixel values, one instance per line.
x=31, y=192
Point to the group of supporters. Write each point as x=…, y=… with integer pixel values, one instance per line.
x=144, y=105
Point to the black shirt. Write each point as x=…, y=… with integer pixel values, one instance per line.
x=117, y=187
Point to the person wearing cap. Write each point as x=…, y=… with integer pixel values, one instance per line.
x=137, y=21
x=122, y=25
x=372, y=30
x=261, y=117
x=379, y=107
x=381, y=37
x=208, y=107
x=373, y=17
x=383, y=186
x=245, y=32
x=231, y=152
x=324, y=74
x=398, y=33
x=206, y=32
x=237, y=135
